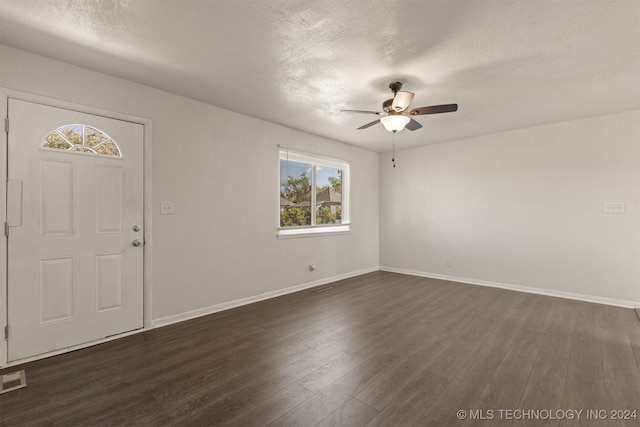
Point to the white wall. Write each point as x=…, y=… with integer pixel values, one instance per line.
x=221, y=170
x=521, y=209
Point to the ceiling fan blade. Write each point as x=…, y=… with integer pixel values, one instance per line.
x=434, y=109
x=402, y=100
x=413, y=125
x=361, y=112
x=375, y=122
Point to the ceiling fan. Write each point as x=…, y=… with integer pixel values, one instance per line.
x=395, y=114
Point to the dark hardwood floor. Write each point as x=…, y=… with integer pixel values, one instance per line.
x=381, y=349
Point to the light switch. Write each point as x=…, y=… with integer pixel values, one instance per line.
x=614, y=208
x=167, y=208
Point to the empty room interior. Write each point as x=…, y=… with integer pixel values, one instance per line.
x=300, y=212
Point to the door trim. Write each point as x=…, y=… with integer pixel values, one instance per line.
x=5, y=94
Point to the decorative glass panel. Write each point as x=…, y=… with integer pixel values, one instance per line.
x=109, y=148
x=82, y=149
x=83, y=139
x=54, y=140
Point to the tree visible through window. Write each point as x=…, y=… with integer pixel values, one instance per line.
x=295, y=193
x=81, y=139
x=311, y=191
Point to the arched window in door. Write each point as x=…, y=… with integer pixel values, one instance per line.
x=81, y=139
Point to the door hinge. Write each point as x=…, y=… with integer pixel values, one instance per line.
x=6, y=229
x=6, y=332
x=6, y=124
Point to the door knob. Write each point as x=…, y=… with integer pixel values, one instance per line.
x=136, y=228
x=137, y=243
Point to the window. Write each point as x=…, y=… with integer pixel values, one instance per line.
x=313, y=194
x=81, y=139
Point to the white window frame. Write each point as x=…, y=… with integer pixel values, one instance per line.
x=315, y=161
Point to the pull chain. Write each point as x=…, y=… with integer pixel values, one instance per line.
x=393, y=157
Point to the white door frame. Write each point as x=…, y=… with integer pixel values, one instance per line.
x=5, y=94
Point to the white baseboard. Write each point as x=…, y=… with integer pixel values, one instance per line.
x=197, y=313
x=527, y=289
x=164, y=321
x=180, y=317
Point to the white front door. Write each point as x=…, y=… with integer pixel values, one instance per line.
x=74, y=211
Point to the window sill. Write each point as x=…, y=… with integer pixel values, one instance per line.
x=292, y=233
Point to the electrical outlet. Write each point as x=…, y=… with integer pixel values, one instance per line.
x=167, y=208
x=449, y=263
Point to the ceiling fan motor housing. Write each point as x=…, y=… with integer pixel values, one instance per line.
x=395, y=87
x=386, y=105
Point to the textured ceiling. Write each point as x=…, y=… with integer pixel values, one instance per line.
x=508, y=64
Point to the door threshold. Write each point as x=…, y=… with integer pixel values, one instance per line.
x=73, y=348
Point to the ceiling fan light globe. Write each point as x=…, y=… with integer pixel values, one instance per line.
x=394, y=123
